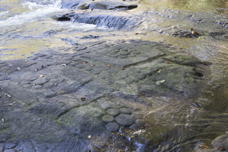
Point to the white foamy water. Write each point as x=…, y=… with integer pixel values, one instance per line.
x=37, y=11
x=33, y=5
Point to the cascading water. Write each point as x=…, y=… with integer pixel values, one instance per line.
x=25, y=26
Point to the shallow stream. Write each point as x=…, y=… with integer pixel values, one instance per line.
x=27, y=27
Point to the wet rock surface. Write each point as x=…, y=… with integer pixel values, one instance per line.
x=108, y=14
x=101, y=95
x=124, y=119
x=78, y=100
x=112, y=126
x=99, y=4
x=102, y=19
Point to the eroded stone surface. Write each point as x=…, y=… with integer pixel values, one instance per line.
x=125, y=110
x=112, y=126
x=110, y=21
x=60, y=98
x=113, y=112
x=74, y=99
x=107, y=118
x=124, y=119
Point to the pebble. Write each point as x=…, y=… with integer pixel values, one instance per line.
x=124, y=119
x=113, y=112
x=126, y=110
x=8, y=95
x=112, y=126
x=107, y=118
x=41, y=76
x=83, y=98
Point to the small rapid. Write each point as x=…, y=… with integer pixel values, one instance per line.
x=35, y=12
x=27, y=27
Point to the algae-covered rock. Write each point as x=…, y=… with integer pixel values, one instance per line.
x=124, y=119
x=84, y=119
x=169, y=79
x=112, y=126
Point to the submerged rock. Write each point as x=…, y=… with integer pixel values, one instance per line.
x=110, y=21
x=107, y=6
x=186, y=34
x=167, y=79
x=219, y=35
x=221, y=143
x=70, y=3
x=124, y=119
x=112, y=126
x=113, y=111
x=90, y=37
x=92, y=100
x=98, y=4
x=107, y=118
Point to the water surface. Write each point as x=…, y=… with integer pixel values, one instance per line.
x=27, y=27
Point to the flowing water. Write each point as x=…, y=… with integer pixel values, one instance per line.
x=27, y=27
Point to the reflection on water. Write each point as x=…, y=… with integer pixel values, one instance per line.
x=23, y=48
x=10, y=8
x=195, y=5
x=220, y=96
x=33, y=19
x=26, y=27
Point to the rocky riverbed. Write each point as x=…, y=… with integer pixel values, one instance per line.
x=138, y=79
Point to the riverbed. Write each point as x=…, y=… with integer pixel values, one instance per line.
x=113, y=76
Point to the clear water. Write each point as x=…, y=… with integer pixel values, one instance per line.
x=26, y=27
